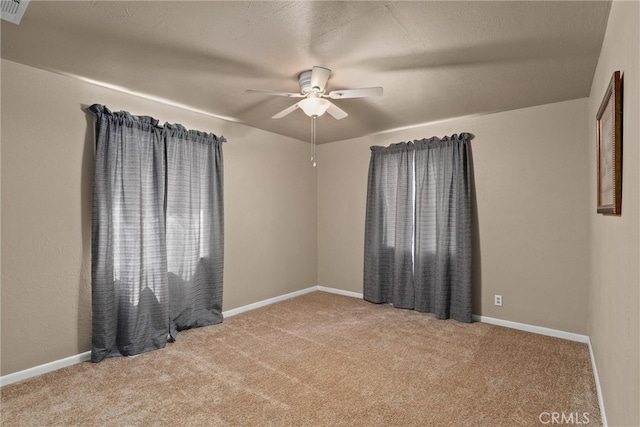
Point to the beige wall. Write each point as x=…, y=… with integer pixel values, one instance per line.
x=532, y=247
x=614, y=294
x=47, y=164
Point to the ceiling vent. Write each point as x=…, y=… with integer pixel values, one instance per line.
x=12, y=10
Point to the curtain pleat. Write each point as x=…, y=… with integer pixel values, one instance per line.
x=418, y=227
x=157, y=226
x=443, y=228
x=129, y=280
x=195, y=221
x=388, y=269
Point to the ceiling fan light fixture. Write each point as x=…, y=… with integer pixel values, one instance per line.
x=314, y=106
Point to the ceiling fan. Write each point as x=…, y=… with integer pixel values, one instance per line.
x=313, y=84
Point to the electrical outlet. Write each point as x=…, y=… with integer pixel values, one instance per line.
x=498, y=300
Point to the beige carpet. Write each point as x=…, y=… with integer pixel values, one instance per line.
x=322, y=360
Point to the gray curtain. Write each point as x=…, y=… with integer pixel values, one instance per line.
x=435, y=210
x=157, y=232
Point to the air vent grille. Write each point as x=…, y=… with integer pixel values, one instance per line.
x=12, y=10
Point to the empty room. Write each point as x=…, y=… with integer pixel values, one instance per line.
x=319, y=213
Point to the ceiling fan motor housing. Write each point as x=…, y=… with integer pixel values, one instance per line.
x=305, y=82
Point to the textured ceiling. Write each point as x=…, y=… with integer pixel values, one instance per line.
x=435, y=60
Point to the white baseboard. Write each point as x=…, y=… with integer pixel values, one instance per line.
x=269, y=301
x=535, y=329
x=603, y=415
x=339, y=292
x=43, y=369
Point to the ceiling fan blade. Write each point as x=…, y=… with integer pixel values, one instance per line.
x=268, y=92
x=355, y=93
x=337, y=112
x=319, y=77
x=286, y=111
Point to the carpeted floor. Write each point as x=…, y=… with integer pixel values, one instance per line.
x=323, y=360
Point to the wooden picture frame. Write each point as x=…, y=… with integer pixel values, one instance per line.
x=609, y=148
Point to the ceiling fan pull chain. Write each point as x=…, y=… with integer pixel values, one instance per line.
x=313, y=140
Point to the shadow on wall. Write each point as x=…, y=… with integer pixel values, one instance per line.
x=476, y=278
x=86, y=197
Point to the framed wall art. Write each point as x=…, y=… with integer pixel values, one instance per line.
x=609, y=148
